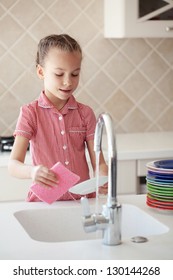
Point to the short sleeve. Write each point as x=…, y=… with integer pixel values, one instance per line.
x=90, y=122
x=26, y=123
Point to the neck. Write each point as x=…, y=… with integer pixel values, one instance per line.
x=57, y=102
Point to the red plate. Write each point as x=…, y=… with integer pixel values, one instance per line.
x=161, y=203
x=155, y=205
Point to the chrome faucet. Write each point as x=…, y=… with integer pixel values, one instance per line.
x=109, y=221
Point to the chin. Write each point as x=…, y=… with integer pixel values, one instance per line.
x=64, y=97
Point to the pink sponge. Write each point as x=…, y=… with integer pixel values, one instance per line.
x=66, y=179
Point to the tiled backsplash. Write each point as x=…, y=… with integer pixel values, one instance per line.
x=132, y=79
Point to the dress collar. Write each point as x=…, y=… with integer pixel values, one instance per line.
x=45, y=103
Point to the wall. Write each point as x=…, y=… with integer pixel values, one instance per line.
x=130, y=78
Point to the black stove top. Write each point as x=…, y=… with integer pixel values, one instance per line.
x=6, y=143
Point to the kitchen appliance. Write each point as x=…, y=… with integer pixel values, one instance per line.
x=6, y=143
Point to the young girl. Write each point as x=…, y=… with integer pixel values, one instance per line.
x=57, y=126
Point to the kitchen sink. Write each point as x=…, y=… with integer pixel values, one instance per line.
x=65, y=224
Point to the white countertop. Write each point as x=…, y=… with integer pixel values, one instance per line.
x=15, y=243
x=151, y=145
x=145, y=145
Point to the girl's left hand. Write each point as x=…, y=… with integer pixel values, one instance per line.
x=103, y=189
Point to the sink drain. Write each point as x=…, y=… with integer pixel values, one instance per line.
x=139, y=239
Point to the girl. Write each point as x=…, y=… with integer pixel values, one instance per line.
x=57, y=126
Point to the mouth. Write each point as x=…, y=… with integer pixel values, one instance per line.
x=65, y=91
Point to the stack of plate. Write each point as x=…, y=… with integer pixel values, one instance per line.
x=160, y=184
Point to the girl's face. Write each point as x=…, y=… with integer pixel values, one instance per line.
x=60, y=74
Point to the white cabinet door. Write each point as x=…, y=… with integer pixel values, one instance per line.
x=12, y=188
x=138, y=18
x=127, y=182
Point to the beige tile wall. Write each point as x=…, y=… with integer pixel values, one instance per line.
x=132, y=79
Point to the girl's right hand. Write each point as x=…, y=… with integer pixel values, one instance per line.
x=44, y=176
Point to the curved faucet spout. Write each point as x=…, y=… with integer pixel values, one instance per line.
x=109, y=221
x=106, y=120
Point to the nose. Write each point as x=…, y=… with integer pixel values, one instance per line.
x=67, y=82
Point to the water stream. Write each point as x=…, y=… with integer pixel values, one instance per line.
x=97, y=153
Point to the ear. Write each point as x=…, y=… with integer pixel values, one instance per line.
x=40, y=71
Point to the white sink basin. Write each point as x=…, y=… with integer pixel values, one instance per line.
x=65, y=224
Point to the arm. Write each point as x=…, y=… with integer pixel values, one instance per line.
x=102, y=164
x=103, y=169
x=17, y=168
x=16, y=165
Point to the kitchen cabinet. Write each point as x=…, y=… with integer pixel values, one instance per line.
x=134, y=151
x=12, y=188
x=17, y=189
x=138, y=18
x=127, y=181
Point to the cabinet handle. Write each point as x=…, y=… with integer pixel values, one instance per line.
x=169, y=28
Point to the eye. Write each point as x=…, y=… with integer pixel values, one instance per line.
x=75, y=74
x=59, y=75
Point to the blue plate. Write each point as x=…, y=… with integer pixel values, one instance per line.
x=159, y=175
x=159, y=178
x=166, y=164
x=160, y=183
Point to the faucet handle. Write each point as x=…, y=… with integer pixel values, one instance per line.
x=85, y=207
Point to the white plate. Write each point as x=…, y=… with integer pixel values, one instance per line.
x=151, y=166
x=88, y=186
